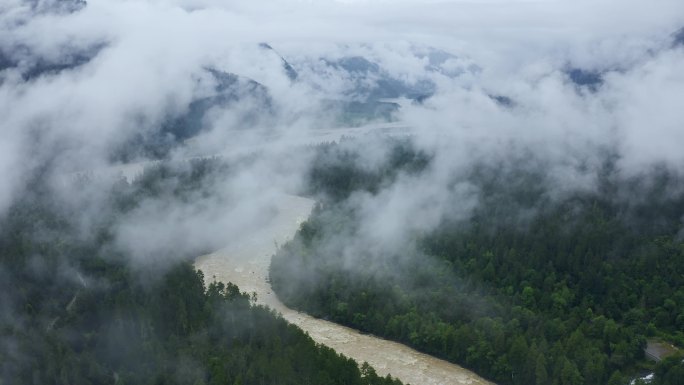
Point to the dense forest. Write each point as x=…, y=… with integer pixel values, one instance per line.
x=535, y=286
x=75, y=310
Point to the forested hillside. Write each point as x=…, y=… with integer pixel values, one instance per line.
x=535, y=286
x=74, y=309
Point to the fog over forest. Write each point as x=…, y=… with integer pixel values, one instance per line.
x=83, y=84
x=91, y=89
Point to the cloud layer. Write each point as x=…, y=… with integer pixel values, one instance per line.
x=78, y=83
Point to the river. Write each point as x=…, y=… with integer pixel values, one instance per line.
x=245, y=263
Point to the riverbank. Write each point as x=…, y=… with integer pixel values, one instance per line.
x=245, y=263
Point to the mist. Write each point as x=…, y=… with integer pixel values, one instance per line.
x=87, y=88
x=97, y=96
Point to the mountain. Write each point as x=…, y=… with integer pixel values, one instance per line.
x=678, y=40
x=588, y=79
x=445, y=63
x=502, y=100
x=372, y=82
x=228, y=90
x=31, y=65
x=56, y=6
x=289, y=70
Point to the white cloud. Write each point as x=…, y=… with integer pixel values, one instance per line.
x=154, y=53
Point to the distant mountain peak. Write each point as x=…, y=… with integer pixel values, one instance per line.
x=585, y=78
x=502, y=100
x=30, y=64
x=289, y=70
x=373, y=83
x=357, y=64
x=56, y=6
x=678, y=40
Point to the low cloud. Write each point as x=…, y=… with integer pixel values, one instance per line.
x=498, y=74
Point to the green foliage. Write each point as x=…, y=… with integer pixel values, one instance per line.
x=338, y=169
x=72, y=310
x=670, y=371
x=535, y=287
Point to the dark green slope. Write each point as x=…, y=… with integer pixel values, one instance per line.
x=535, y=287
x=74, y=311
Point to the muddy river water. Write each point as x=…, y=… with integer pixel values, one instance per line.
x=245, y=263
